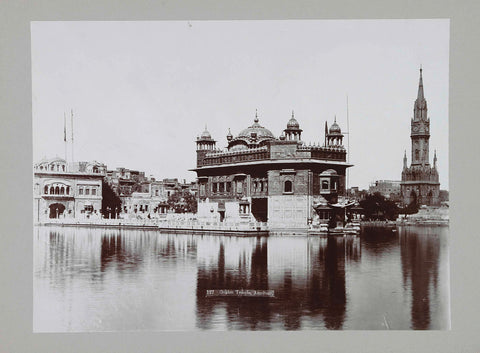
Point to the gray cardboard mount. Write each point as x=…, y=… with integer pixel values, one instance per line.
x=16, y=177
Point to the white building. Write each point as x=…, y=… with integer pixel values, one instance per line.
x=67, y=191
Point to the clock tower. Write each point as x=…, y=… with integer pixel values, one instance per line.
x=420, y=128
x=420, y=181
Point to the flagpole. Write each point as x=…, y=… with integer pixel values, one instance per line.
x=348, y=146
x=65, y=135
x=73, y=159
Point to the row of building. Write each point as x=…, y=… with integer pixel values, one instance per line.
x=75, y=190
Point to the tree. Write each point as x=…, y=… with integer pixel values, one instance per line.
x=377, y=207
x=111, y=203
x=182, y=201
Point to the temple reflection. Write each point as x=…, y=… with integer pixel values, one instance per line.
x=307, y=276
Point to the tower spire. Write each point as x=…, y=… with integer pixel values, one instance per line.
x=420, y=86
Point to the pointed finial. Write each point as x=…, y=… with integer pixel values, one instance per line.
x=420, y=94
x=335, y=118
x=256, y=116
x=293, y=114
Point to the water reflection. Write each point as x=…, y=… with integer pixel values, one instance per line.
x=107, y=280
x=420, y=253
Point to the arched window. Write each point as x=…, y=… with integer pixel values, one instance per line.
x=63, y=167
x=62, y=191
x=57, y=190
x=52, y=190
x=325, y=185
x=417, y=154
x=68, y=190
x=45, y=189
x=287, y=187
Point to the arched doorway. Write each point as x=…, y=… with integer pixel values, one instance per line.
x=413, y=198
x=56, y=209
x=430, y=198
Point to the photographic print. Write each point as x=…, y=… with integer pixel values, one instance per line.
x=240, y=175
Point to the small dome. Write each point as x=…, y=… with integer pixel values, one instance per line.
x=335, y=129
x=293, y=123
x=205, y=135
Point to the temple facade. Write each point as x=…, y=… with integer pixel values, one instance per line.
x=264, y=178
x=420, y=183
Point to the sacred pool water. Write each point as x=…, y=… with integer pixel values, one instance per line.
x=92, y=279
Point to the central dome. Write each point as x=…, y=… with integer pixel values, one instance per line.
x=258, y=130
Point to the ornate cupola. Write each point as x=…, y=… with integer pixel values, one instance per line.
x=229, y=135
x=205, y=141
x=293, y=131
x=334, y=136
x=205, y=144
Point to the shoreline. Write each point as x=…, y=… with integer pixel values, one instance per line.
x=194, y=229
x=226, y=229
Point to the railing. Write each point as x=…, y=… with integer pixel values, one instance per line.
x=329, y=153
x=253, y=154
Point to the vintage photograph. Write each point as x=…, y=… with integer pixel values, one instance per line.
x=240, y=175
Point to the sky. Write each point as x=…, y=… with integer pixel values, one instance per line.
x=142, y=91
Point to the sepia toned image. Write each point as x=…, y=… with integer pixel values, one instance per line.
x=240, y=175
